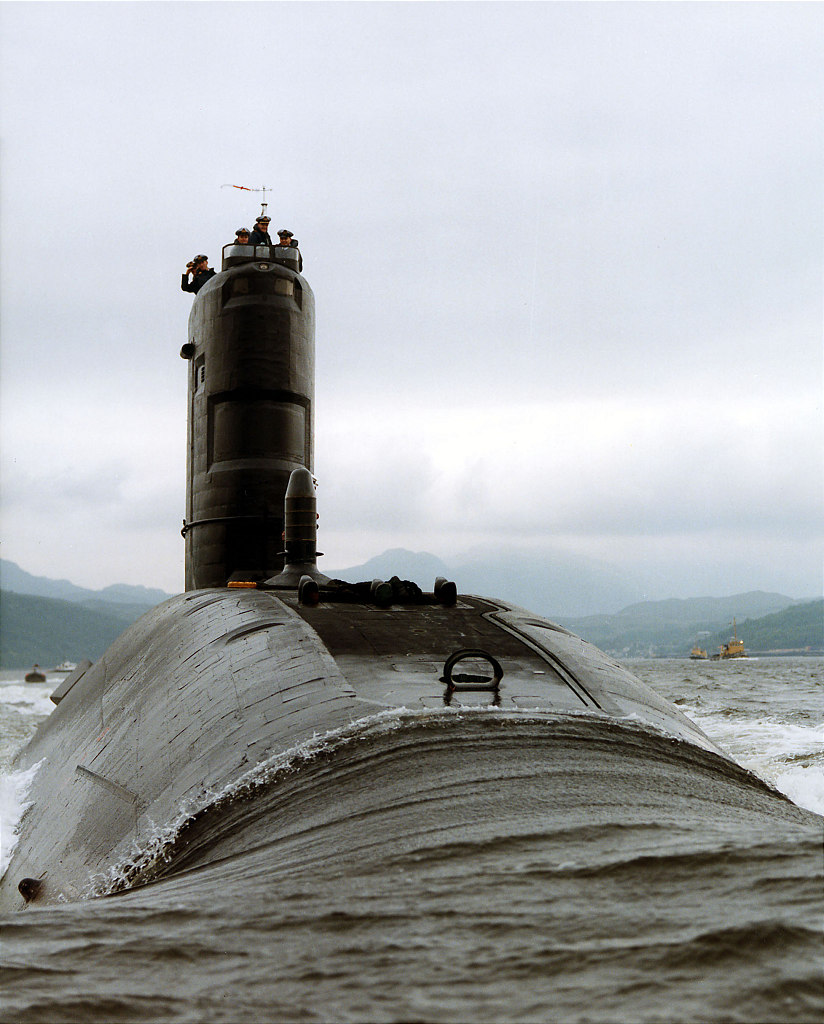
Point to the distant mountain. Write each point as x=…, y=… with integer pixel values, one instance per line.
x=15, y=579
x=49, y=621
x=798, y=628
x=670, y=628
x=124, y=593
x=568, y=589
x=47, y=631
x=698, y=609
x=418, y=566
x=549, y=584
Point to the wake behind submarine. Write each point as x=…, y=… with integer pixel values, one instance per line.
x=200, y=703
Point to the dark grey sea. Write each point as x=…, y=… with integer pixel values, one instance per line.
x=522, y=877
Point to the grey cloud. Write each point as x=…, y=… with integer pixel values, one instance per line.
x=498, y=204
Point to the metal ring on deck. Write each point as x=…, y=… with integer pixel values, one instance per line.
x=466, y=681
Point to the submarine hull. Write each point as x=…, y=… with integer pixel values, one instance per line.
x=209, y=698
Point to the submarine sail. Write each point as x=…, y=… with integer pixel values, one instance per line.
x=251, y=353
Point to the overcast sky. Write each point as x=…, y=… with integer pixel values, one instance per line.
x=567, y=260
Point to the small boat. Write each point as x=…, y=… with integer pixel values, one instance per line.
x=697, y=653
x=733, y=649
x=37, y=675
x=65, y=666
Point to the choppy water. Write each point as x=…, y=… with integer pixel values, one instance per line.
x=767, y=713
x=473, y=867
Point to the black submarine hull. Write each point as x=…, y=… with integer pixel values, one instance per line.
x=146, y=762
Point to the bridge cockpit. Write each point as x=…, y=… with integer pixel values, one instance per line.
x=287, y=256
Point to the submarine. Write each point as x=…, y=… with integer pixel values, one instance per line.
x=143, y=767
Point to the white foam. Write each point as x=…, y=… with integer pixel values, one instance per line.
x=804, y=786
x=771, y=739
x=14, y=789
x=643, y=724
x=28, y=697
x=769, y=747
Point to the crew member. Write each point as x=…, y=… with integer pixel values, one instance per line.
x=286, y=239
x=260, y=235
x=200, y=272
x=242, y=236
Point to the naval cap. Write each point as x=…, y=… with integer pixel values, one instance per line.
x=199, y=257
x=283, y=233
x=262, y=220
x=242, y=231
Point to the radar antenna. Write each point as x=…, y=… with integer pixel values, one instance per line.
x=264, y=189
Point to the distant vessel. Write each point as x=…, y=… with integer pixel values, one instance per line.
x=733, y=649
x=37, y=675
x=65, y=666
x=698, y=653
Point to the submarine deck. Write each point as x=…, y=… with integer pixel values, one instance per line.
x=396, y=657
x=212, y=684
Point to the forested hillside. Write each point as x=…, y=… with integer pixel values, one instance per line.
x=796, y=628
x=48, y=631
x=670, y=628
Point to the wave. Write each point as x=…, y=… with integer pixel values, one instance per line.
x=33, y=697
x=788, y=755
x=463, y=783
x=741, y=942
x=14, y=789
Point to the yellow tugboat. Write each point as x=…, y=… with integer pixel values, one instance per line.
x=697, y=653
x=733, y=649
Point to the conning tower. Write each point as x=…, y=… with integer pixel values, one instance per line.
x=251, y=352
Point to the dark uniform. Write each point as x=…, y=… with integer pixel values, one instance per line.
x=260, y=235
x=283, y=234
x=197, y=281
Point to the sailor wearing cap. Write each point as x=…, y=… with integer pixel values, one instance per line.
x=200, y=272
x=242, y=236
x=286, y=238
x=260, y=235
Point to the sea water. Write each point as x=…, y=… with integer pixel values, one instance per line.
x=767, y=713
x=560, y=906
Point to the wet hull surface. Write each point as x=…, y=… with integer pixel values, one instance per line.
x=449, y=867
x=213, y=686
